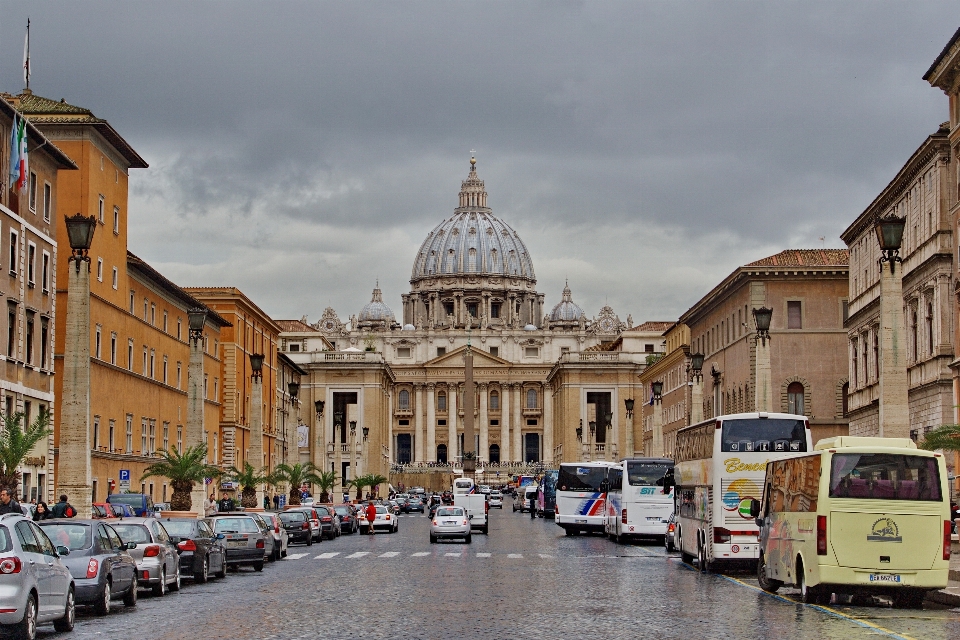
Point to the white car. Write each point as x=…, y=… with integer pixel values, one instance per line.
x=384, y=520
x=484, y=489
x=496, y=499
x=450, y=522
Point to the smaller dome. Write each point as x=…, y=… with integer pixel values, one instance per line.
x=376, y=310
x=408, y=327
x=530, y=327
x=567, y=310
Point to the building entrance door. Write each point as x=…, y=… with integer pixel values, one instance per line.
x=531, y=447
x=404, y=448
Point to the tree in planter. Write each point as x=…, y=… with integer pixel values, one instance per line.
x=16, y=443
x=945, y=438
x=248, y=479
x=325, y=481
x=184, y=470
x=367, y=480
x=297, y=475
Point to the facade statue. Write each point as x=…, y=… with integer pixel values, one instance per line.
x=629, y=321
x=483, y=321
x=419, y=323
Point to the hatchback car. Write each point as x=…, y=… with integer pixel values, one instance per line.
x=245, y=538
x=329, y=522
x=314, y=518
x=384, y=520
x=158, y=563
x=349, y=523
x=99, y=561
x=35, y=585
x=202, y=551
x=297, y=527
x=450, y=522
x=414, y=503
x=496, y=499
x=280, y=537
x=270, y=543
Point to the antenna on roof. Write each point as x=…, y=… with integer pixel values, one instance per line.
x=26, y=57
x=823, y=244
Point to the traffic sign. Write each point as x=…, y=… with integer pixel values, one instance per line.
x=124, y=479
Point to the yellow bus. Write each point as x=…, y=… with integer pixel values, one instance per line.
x=857, y=516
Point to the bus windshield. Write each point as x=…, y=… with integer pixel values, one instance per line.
x=578, y=478
x=885, y=476
x=550, y=482
x=644, y=474
x=763, y=434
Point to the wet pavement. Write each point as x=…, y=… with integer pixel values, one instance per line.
x=524, y=580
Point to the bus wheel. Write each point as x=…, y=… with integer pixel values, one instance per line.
x=808, y=594
x=568, y=531
x=702, y=558
x=767, y=584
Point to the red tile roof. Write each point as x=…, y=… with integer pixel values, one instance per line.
x=653, y=325
x=805, y=258
x=294, y=326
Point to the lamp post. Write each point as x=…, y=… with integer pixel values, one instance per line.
x=580, y=439
x=73, y=462
x=763, y=384
x=256, y=417
x=628, y=404
x=656, y=446
x=354, y=456
x=695, y=370
x=293, y=388
x=591, y=443
x=608, y=444
x=339, y=439
x=894, y=418
x=196, y=320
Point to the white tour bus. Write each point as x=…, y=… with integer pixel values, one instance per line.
x=720, y=466
x=638, y=503
x=580, y=496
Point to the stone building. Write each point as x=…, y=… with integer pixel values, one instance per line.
x=29, y=253
x=920, y=192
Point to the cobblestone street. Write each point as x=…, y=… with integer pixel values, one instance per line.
x=524, y=580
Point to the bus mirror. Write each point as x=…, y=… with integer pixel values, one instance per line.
x=604, y=486
x=667, y=482
x=755, y=508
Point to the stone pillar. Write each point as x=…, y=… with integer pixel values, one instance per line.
x=73, y=461
x=338, y=453
x=656, y=447
x=696, y=399
x=894, y=386
x=431, y=453
x=194, y=427
x=517, y=445
x=484, y=453
x=418, y=422
x=763, y=387
x=390, y=426
x=453, y=416
x=629, y=441
x=255, y=457
x=548, y=424
x=505, y=423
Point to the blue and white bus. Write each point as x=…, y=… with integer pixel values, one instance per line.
x=638, y=503
x=581, y=504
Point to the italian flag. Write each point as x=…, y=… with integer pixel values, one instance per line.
x=18, y=154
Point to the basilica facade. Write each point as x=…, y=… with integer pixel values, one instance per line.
x=383, y=391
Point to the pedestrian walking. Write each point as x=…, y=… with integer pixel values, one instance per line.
x=210, y=506
x=63, y=509
x=7, y=503
x=42, y=512
x=276, y=502
x=266, y=502
x=371, y=514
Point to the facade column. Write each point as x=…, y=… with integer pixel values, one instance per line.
x=517, y=422
x=484, y=452
x=418, y=422
x=656, y=447
x=548, y=423
x=390, y=451
x=505, y=423
x=338, y=453
x=696, y=399
x=255, y=457
x=764, y=383
x=453, y=416
x=894, y=388
x=431, y=453
x=73, y=462
x=194, y=427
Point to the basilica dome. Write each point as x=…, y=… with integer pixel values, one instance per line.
x=376, y=311
x=473, y=241
x=567, y=310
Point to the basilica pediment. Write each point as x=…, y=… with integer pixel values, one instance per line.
x=455, y=359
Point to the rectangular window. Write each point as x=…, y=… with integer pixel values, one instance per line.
x=116, y=277
x=12, y=330
x=294, y=347
x=33, y=191
x=44, y=340
x=146, y=309
x=153, y=315
x=164, y=369
x=111, y=426
x=153, y=436
x=99, y=269
x=96, y=432
x=113, y=347
x=14, y=251
x=180, y=438
x=166, y=436
x=153, y=361
x=100, y=211
x=146, y=353
x=133, y=296
x=204, y=386
x=143, y=437
x=441, y=351
x=129, y=433
x=494, y=309
x=884, y=476
x=844, y=310
x=31, y=264
x=164, y=320
x=116, y=220
x=97, y=343
x=495, y=351
x=29, y=337
x=178, y=375
x=648, y=348
x=130, y=354
x=794, y=315
x=45, y=273
x=531, y=352
x=402, y=352
x=216, y=389
x=47, y=197
x=178, y=329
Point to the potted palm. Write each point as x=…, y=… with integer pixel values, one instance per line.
x=16, y=442
x=184, y=470
x=324, y=482
x=296, y=475
x=248, y=478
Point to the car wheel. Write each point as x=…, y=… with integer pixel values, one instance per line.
x=26, y=629
x=175, y=586
x=69, y=614
x=468, y=539
x=433, y=539
x=130, y=600
x=102, y=607
x=200, y=577
x=161, y=588
x=258, y=566
x=309, y=541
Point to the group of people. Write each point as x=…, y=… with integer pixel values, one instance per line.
x=40, y=510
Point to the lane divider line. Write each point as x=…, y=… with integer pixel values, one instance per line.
x=296, y=556
x=327, y=556
x=358, y=554
x=389, y=554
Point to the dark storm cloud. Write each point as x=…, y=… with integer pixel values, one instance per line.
x=642, y=149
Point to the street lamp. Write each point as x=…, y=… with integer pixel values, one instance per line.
x=890, y=236
x=657, y=388
x=366, y=433
x=761, y=318
x=353, y=427
x=580, y=432
x=293, y=388
x=256, y=364
x=628, y=403
x=318, y=406
x=696, y=365
x=609, y=417
x=593, y=428
x=196, y=318
x=80, y=230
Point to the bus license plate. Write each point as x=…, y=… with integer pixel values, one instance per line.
x=580, y=521
x=884, y=577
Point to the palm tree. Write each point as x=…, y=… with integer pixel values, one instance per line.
x=248, y=479
x=17, y=442
x=296, y=475
x=945, y=437
x=325, y=481
x=183, y=470
x=367, y=480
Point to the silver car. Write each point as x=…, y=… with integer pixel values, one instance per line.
x=246, y=539
x=450, y=522
x=280, y=536
x=158, y=563
x=35, y=585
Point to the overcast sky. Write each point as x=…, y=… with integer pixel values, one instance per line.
x=300, y=151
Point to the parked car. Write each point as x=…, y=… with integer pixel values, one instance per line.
x=669, y=540
x=306, y=502
x=245, y=538
x=450, y=522
x=269, y=546
x=28, y=559
x=394, y=507
x=99, y=561
x=329, y=522
x=384, y=520
x=297, y=526
x=280, y=537
x=349, y=523
x=202, y=552
x=496, y=499
x=158, y=563
x=314, y=519
x=141, y=503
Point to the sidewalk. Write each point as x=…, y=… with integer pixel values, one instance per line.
x=951, y=595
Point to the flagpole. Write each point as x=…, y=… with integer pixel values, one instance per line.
x=26, y=57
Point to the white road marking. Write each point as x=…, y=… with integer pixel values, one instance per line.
x=483, y=555
x=358, y=554
x=296, y=556
x=327, y=556
x=420, y=554
x=389, y=554
x=452, y=555
x=514, y=555
x=545, y=555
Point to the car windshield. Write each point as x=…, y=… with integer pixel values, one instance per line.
x=342, y=511
x=179, y=528
x=885, y=476
x=290, y=518
x=322, y=511
x=132, y=499
x=235, y=525
x=577, y=478
x=381, y=509
x=133, y=532
x=71, y=536
x=763, y=434
x=643, y=474
x=99, y=511
x=450, y=511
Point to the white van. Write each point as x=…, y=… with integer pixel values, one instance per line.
x=857, y=516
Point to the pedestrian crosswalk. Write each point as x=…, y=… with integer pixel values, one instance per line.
x=331, y=555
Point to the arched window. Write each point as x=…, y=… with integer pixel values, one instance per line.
x=795, y=398
x=472, y=260
x=404, y=400
x=442, y=401
x=930, y=328
x=531, y=398
x=441, y=453
x=494, y=401
x=494, y=453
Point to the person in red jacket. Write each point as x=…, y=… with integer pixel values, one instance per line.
x=371, y=516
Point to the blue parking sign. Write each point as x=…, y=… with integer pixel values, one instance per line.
x=124, y=475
